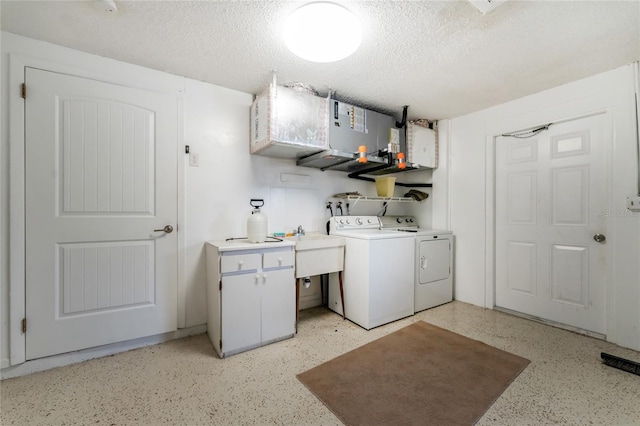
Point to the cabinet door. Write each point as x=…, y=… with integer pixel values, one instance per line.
x=240, y=311
x=278, y=304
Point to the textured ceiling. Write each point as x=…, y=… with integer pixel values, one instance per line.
x=442, y=58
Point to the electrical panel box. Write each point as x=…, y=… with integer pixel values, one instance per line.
x=351, y=126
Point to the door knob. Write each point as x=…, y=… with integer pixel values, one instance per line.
x=599, y=238
x=168, y=229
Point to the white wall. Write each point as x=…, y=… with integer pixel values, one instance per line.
x=214, y=197
x=468, y=180
x=218, y=192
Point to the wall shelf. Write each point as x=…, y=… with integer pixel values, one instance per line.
x=357, y=198
x=368, y=198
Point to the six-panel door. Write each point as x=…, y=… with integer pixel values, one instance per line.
x=550, y=202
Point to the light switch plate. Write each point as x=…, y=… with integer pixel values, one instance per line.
x=633, y=203
x=194, y=159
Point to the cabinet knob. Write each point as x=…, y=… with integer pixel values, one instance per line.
x=240, y=263
x=280, y=260
x=264, y=276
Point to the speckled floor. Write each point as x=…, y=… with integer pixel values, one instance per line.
x=182, y=382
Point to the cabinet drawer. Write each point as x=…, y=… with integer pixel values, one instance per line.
x=278, y=259
x=240, y=262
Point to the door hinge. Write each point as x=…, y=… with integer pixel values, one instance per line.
x=23, y=91
x=220, y=345
x=220, y=285
x=24, y=325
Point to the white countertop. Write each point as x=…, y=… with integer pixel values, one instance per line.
x=309, y=241
x=246, y=245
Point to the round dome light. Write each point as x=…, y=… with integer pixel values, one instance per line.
x=322, y=32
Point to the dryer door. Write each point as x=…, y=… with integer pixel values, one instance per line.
x=433, y=260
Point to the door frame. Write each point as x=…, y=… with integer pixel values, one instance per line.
x=603, y=103
x=112, y=72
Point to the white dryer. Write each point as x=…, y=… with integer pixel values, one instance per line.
x=433, y=261
x=434, y=268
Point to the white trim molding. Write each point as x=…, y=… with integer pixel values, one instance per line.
x=49, y=57
x=613, y=104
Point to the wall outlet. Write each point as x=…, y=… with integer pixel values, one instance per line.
x=194, y=159
x=633, y=203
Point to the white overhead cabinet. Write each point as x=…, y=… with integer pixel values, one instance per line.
x=251, y=294
x=422, y=146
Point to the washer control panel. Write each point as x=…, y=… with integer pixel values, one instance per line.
x=398, y=222
x=355, y=222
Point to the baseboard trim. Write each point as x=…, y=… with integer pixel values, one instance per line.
x=552, y=323
x=62, y=360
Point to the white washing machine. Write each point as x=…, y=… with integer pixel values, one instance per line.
x=433, y=261
x=378, y=277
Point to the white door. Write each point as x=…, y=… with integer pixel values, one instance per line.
x=550, y=202
x=101, y=173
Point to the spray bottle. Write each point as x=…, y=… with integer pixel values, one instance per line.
x=257, y=223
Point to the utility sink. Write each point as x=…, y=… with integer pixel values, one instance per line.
x=316, y=241
x=318, y=254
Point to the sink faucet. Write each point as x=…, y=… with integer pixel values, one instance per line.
x=300, y=230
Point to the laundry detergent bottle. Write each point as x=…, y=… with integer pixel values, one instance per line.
x=257, y=222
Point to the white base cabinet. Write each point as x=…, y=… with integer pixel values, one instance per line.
x=251, y=295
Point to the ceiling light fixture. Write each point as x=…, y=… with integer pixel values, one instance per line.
x=322, y=32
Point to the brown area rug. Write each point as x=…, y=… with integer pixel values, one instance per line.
x=418, y=375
